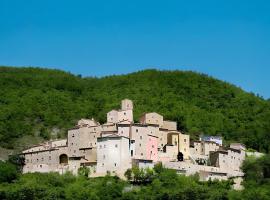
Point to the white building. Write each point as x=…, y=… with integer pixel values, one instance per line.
x=113, y=155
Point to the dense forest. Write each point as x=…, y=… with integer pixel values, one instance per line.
x=159, y=183
x=38, y=104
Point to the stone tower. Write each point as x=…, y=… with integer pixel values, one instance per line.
x=127, y=104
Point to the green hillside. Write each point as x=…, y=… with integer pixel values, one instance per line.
x=37, y=104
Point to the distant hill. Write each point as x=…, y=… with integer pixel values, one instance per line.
x=37, y=104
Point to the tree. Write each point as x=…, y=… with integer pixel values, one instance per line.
x=8, y=172
x=84, y=171
x=128, y=174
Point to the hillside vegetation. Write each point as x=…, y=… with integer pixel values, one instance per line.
x=38, y=104
x=157, y=183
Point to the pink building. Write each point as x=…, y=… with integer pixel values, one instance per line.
x=151, y=148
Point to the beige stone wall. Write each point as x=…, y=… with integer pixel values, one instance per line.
x=152, y=118
x=43, y=161
x=113, y=154
x=124, y=130
x=170, y=125
x=184, y=145
x=74, y=142
x=126, y=104
x=112, y=116
x=209, y=146
x=88, y=136
x=162, y=138
x=89, y=155
x=125, y=115
x=139, y=135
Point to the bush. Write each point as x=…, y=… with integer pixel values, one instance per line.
x=8, y=172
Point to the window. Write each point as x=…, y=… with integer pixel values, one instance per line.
x=131, y=152
x=50, y=157
x=185, y=140
x=125, y=113
x=102, y=164
x=115, y=164
x=103, y=156
x=71, y=143
x=153, y=146
x=141, y=137
x=40, y=166
x=136, y=130
x=100, y=146
x=116, y=146
x=72, y=135
x=141, y=154
x=74, y=151
x=140, y=145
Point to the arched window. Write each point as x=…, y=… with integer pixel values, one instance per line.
x=63, y=159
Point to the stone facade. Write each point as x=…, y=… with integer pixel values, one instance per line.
x=118, y=144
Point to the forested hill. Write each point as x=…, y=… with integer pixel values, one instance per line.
x=37, y=104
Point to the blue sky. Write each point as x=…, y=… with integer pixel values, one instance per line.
x=229, y=40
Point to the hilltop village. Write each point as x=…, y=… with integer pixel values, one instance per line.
x=120, y=144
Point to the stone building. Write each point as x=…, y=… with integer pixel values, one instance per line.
x=120, y=143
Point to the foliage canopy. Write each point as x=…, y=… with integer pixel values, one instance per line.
x=37, y=104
